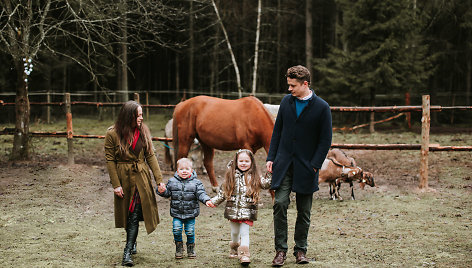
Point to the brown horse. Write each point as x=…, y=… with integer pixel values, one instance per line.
x=221, y=124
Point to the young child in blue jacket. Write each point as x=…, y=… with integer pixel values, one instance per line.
x=184, y=190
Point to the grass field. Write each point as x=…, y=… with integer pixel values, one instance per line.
x=55, y=215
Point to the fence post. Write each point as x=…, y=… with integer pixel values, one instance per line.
x=70, y=133
x=425, y=123
x=136, y=97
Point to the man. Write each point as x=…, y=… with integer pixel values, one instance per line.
x=300, y=141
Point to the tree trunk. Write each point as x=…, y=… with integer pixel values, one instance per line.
x=177, y=76
x=124, y=61
x=20, y=149
x=256, y=48
x=468, y=72
x=233, y=59
x=64, y=77
x=214, y=66
x=308, y=35
x=190, y=53
x=372, y=114
x=279, y=40
x=468, y=80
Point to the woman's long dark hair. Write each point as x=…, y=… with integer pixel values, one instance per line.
x=253, y=185
x=125, y=125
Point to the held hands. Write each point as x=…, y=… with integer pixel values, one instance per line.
x=118, y=191
x=161, y=187
x=269, y=166
x=210, y=204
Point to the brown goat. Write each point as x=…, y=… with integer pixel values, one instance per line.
x=332, y=171
x=365, y=178
x=342, y=159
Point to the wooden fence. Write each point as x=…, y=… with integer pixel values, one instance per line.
x=425, y=147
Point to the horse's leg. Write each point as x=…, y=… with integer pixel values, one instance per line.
x=182, y=145
x=184, y=148
x=208, y=154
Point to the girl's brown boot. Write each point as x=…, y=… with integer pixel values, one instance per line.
x=233, y=252
x=243, y=252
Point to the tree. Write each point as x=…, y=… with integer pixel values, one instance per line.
x=82, y=32
x=382, y=51
x=256, y=47
x=309, y=34
x=230, y=49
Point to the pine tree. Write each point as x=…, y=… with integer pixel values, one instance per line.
x=381, y=51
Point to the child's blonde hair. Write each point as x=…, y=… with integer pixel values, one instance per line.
x=184, y=160
x=253, y=186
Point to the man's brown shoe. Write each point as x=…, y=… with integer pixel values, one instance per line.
x=279, y=259
x=301, y=258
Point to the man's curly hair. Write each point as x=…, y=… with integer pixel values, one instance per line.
x=300, y=73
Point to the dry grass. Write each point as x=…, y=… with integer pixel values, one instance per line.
x=53, y=215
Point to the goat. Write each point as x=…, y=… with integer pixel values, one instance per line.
x=332, y=170
x=343, y=159
x=365, y=178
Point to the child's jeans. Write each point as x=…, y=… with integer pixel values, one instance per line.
x=188, y=226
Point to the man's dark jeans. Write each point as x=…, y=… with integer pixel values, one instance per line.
x=302, y=225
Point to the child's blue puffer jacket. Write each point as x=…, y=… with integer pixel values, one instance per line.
x=184, y=196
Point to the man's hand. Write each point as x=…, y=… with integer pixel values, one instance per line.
x=119, y=191
x=269, y=166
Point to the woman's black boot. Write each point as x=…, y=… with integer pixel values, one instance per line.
x=131, y=235
x=134, y=250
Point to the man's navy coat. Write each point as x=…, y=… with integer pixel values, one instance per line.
x=303, y=141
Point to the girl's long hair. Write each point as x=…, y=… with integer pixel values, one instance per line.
x=253, y=184
x=125, y=125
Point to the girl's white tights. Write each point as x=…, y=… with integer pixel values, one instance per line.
x=240, y=230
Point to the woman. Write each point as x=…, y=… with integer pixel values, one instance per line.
x=129, y=152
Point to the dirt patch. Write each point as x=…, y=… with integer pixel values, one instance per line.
x=55, y=215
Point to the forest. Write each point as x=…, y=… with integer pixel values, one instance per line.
x=57, y=201
x=360, y=53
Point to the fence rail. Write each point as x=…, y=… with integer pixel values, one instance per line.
x=424, y=147
x=397, y=109
x=432, y=147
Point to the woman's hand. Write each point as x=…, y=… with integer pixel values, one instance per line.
x=161, y=187
x=119, y=191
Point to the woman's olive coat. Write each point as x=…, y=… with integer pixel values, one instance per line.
x=129, y=172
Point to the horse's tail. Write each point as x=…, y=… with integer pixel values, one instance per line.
x=175, y=141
